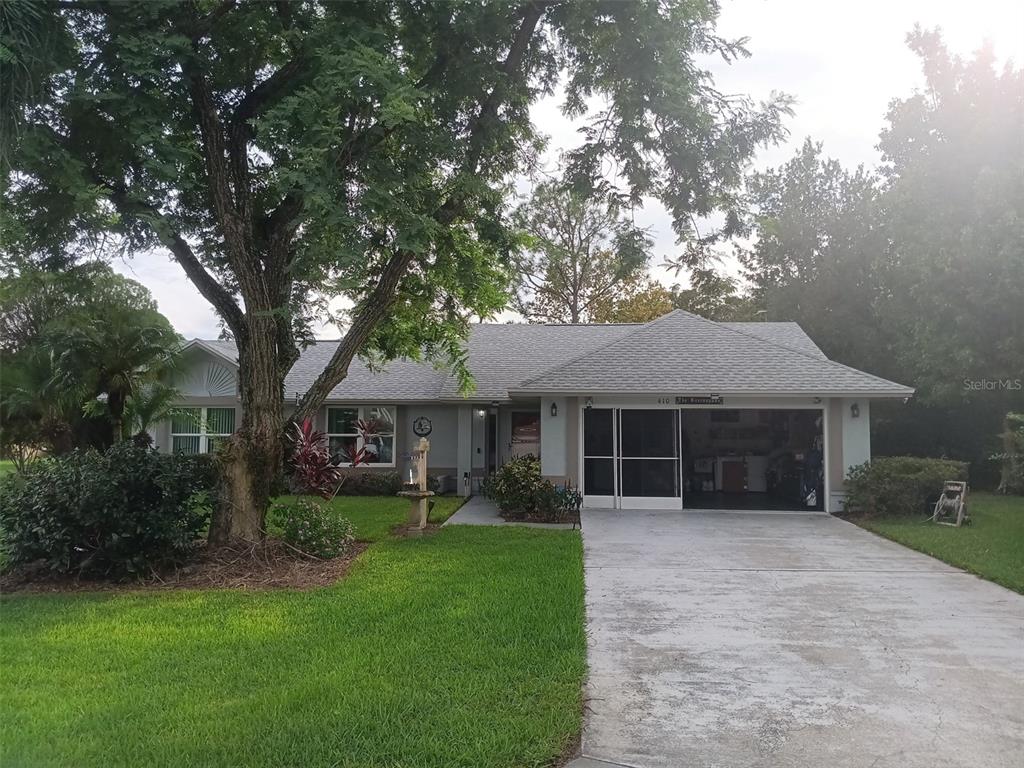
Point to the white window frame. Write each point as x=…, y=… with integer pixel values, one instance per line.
x=362, y=414
x=202, y=433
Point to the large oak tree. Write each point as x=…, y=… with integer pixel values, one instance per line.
x=362, y=149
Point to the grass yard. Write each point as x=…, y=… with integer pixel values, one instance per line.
x=463, y=648
x=992, y=546
x=6, y=467
x=375, y=516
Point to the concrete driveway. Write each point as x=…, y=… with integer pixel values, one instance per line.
x=774, y=639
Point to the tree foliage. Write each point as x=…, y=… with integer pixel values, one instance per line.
x=915, y=270
x=78, y=346
x=953, y=206
x=638, y=300
x=581, y=254
x=715, y=296
x=362, y=149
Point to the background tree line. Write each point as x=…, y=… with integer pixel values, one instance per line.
x=913, y=270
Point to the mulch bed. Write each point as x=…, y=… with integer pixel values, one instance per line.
x=269, y=565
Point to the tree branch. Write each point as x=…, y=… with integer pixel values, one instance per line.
x=202, y=26
x=374, y=308
x=489, y=109
x=268, y=91
x=207, y=284
x=370, y=312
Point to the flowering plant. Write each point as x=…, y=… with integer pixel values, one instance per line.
x=313, y=528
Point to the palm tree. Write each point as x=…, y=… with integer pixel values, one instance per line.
x=114, y=357
x=148, y=405
x=36, y=412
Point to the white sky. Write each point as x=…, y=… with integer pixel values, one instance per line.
x=843, y=62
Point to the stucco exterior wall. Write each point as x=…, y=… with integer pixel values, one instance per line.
x=554, y=439
x=834, y=456
x=572, y=443
x=444, y=422
x=856, y=433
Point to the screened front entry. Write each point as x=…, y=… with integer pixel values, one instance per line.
x=631, y=458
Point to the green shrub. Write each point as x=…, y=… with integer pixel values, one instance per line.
x=521, y=493
x=899, y=485
x=313, y=528
x=376, y=483
x=370, y=483
x=124, y=511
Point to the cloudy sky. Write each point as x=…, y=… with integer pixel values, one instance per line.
x=843, y=62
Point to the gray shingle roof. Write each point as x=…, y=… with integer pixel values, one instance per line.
x=786, y=334
x=501, y=356
x=679, y=352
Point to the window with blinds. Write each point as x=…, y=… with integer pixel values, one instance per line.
x=200, y=430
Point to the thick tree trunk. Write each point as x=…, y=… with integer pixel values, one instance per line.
x=115, y=407
x=252, y=460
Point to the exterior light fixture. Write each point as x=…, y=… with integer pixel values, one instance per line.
x=589, y=402
x=554, y=409
x=481, y=412
x=855, y=410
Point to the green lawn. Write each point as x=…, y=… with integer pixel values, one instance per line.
x=462, y=648
x=375, y=516
x=992, y=546
x=6, y=467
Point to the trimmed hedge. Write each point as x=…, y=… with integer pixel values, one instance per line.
x=370, y=483
x=899, y=485
x=127, y=510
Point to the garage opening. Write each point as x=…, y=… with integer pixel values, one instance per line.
x=704, y=458
x=753, y=459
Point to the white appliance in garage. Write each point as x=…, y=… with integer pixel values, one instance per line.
x=757, y=474
x=754, y=469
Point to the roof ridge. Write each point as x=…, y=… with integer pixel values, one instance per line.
x=808, y=355
x=599, y=348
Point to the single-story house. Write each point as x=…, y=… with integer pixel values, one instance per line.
x=680, y=412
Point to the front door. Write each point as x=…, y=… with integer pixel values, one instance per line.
x=631, y=458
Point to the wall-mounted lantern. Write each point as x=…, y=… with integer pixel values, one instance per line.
x=481, y=412
x=554, y=410
x=855, y=410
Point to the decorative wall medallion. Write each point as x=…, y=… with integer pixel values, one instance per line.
x=209, y=380
x=421, y=426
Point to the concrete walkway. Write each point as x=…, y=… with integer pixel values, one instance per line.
x=480, y=510
x=791, y=640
